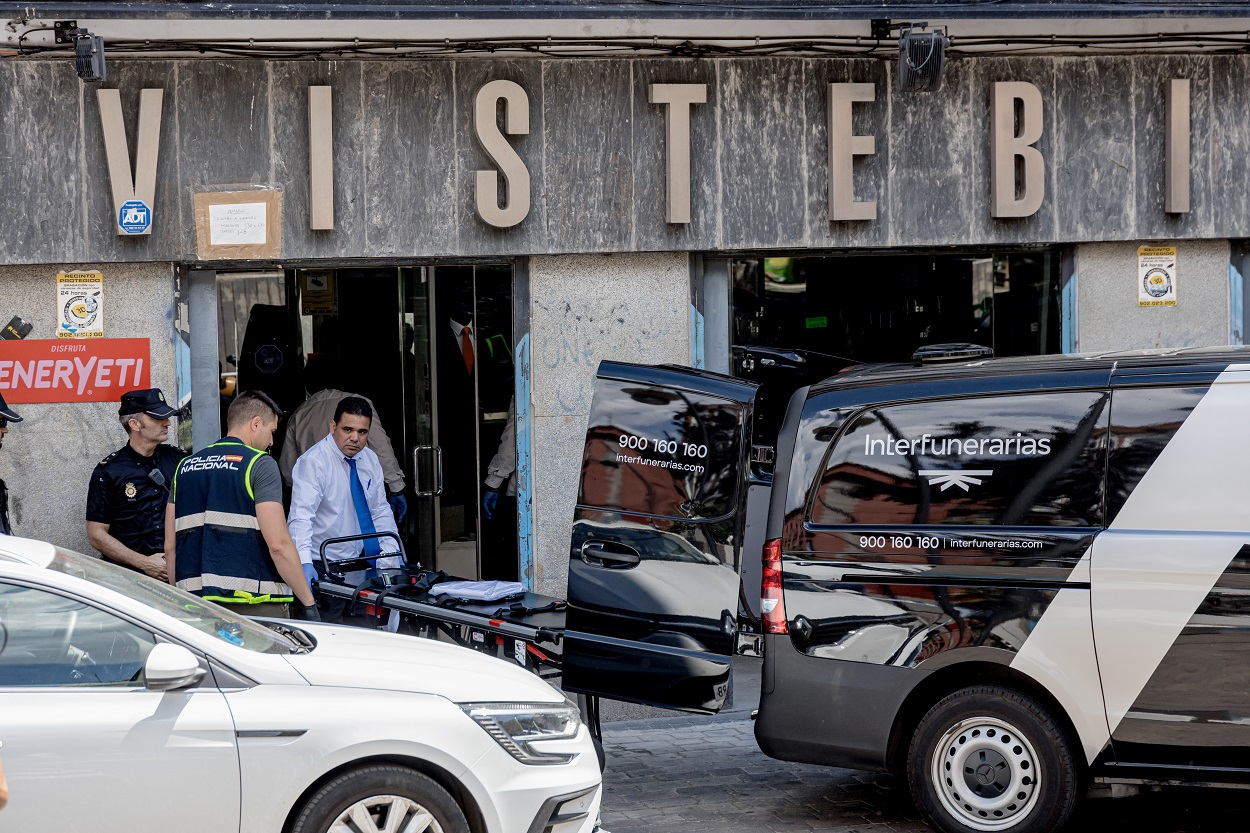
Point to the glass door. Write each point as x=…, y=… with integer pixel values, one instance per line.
x=459, y=377
x=420, y=528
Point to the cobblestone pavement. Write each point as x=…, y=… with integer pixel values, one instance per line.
x=693, y=774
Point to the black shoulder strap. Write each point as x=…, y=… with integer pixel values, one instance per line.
x=4, y=509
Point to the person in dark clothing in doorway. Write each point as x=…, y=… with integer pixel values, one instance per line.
x=499, y=507
x=457, y=412
x=129, y=488
x=7, y=415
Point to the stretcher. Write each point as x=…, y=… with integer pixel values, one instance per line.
x=527, y=631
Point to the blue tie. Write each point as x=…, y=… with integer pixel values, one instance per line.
x=362, y=512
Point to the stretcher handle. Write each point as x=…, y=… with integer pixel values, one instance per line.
x=347, y=565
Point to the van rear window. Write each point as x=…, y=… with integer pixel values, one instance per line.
x=1020, y=460
x=662, y=451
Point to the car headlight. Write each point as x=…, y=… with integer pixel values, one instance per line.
x=515, y=726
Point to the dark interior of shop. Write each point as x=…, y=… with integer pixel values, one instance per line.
x=880, y=308
x=797, y=320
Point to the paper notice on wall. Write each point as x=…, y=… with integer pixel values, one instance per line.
x=237, y=224
x=1156, y=276
x=80, y=305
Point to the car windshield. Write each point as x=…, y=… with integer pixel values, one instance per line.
x=204, y=616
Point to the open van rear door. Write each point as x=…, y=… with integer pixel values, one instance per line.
x=657, y=537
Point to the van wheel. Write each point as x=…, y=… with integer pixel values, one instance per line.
x=988, y=759
x=374, y=799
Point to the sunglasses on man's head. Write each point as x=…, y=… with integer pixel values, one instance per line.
x=4, y=423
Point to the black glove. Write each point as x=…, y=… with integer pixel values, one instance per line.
x=308, y=613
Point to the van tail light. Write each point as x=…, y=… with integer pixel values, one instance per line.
x=772, y=605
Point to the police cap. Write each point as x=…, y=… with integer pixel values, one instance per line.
x=8, y=414
x=149, y=401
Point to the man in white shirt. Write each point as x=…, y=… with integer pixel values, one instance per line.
x=338, y=489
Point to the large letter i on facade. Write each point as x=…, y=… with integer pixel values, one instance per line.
x=320, y=158
x=1176, y=147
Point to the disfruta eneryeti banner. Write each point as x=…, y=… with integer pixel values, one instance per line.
x=61, y=370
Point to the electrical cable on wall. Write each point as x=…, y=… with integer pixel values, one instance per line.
x=886, y=48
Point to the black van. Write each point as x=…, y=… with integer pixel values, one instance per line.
x=1008, y=579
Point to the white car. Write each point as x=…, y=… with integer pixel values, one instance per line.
x=128, y=705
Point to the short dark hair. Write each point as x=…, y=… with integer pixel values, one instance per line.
x=355, y=405
x=249, y=405
x=320, y=372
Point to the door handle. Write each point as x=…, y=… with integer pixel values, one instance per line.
x=621, y=557
x=438, y=470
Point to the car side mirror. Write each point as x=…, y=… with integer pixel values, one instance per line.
x=171, y=667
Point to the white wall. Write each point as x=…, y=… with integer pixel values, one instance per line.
x=1108, y=317
x=584, y=309
x=47, y=459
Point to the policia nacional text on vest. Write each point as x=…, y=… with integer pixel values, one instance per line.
x=221, y=554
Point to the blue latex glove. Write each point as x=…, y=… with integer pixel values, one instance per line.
x=490, y=499
x=310, y=573
x=399, y=505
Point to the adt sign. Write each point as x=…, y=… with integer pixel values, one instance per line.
x=135, y=217
x=269, y=358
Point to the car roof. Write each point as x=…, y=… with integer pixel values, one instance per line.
x=26, y=551
x=1190, y=359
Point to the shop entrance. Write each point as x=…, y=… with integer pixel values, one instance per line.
x=800, y=319
x=879, y=307
x=431, y=348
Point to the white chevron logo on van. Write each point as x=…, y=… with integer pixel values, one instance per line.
x=963, y=478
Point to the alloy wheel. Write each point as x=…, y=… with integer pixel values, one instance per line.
x=385, y=814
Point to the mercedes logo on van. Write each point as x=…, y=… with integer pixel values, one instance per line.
x=961, y=478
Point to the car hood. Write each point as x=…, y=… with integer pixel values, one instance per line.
x=358, y=658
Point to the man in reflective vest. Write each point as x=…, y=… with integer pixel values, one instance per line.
x=225, y=526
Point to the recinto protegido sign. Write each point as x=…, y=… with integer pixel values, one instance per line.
x=60, y=370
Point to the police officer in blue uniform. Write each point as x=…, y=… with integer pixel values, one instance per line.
x=225, y=530
x=130, y=487
x=7, y=415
